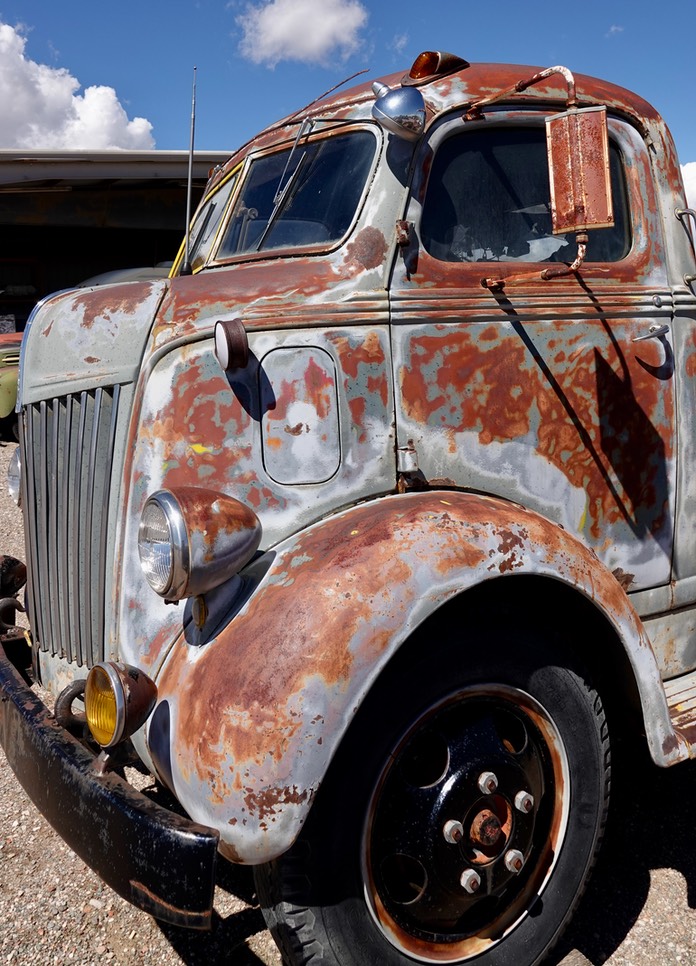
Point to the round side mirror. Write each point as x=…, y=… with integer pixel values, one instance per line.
x=400, y=110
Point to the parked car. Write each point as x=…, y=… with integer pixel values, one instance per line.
x=10, y=345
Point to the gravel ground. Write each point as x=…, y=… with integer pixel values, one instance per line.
x=638, y=911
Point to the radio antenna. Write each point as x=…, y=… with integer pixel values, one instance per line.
x=186, y=268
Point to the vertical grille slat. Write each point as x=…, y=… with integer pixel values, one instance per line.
x=61, y=645
x=100, y=613
x=42, y=527
x=64, y=522
x=79, y=614
x=92, y=592
x=68, y=451
x=28, y=495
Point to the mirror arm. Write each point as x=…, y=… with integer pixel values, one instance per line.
x=556, y=271
x=474, y=112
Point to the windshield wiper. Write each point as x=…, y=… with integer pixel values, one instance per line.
x=283, y=190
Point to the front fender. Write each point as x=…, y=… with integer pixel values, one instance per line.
x=247, y=724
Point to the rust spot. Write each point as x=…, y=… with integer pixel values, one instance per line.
x=623, y=578
x=368, y=248
x=109, y=301
x=670, y=745
x=265, y=803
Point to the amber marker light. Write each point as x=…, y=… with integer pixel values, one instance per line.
x=118, y=701
x=431, y=64
x=424, y=65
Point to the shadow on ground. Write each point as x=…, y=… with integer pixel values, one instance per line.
x=227, y=942
x=651, y=827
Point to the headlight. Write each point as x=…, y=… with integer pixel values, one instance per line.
x=14, y=476
x=191, y=540
x=163, y=545
x=118, y=700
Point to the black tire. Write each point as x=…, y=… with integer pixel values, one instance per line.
x=423, y=802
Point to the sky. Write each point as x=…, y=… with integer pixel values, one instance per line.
x=118, y=75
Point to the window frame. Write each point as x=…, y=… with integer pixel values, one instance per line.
x=217, y=258
x=646, y=234
x=513, y=226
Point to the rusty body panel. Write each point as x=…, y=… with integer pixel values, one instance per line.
x=545, y=379
x=264, y=423
x=246, y=726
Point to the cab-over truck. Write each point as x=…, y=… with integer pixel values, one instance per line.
x=370, y=530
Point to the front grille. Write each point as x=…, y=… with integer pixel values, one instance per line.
x=68, y=448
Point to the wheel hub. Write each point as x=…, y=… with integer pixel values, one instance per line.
x=486, y=830
x=462, y=830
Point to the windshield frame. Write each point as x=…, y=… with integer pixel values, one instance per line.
x=315, y=135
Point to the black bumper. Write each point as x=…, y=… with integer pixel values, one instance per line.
x=159, y=861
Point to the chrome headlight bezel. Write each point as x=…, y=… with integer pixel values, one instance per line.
x=179, y=566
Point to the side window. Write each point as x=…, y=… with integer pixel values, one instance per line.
x=488, y=199
x=207, y=220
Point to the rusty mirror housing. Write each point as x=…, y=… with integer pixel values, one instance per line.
x=577, y=148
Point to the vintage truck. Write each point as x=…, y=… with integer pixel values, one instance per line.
x=371, y=529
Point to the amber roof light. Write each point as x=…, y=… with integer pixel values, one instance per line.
x=431, y=64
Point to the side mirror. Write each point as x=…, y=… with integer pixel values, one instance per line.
x=401, y=110
x=577, y=148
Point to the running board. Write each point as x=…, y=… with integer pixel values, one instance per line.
x=681, y=699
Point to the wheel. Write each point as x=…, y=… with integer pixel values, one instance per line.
x=460, y=821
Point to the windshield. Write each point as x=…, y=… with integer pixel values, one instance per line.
x=322, y=183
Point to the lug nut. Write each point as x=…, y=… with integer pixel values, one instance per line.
x=453, y=832
x=514, y=861
x=524, y=802
x=487, y=782
x=470, y=881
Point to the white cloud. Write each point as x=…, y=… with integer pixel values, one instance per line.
x=41, y=107
x=613, y=31
x=309, y=31
x=689, y=175
x=399, y=43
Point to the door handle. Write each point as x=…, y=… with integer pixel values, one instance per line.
x=654, y=332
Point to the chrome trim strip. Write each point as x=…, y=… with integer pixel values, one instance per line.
x=99, y=648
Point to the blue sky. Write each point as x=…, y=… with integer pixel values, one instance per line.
x=76, y=74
